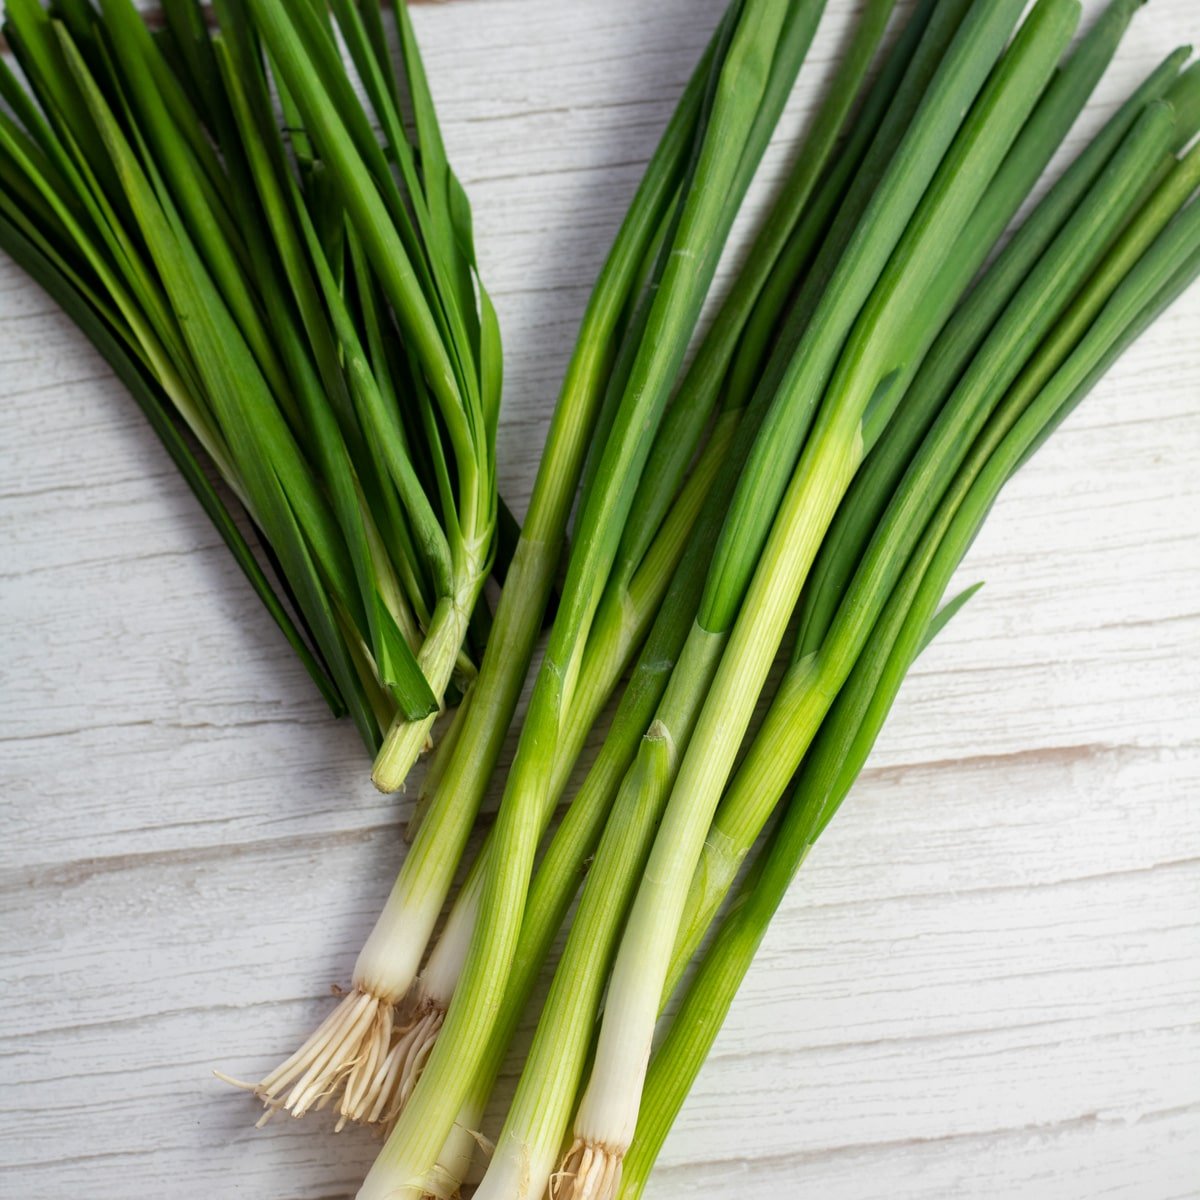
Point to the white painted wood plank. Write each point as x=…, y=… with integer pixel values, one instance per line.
x=987, y=981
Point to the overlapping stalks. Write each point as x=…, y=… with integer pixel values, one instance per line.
x=296, y=293
x=306, y=303
x=700, y=844
x=843, y=428
x=881, y=351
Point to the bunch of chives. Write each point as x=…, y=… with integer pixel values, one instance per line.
x=292, y=310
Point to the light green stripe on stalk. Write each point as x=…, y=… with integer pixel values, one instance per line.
x=1156, y=281
x=644, y=301
x=126, y=32
x=838, y=203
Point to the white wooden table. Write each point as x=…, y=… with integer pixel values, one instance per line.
x=987, y=981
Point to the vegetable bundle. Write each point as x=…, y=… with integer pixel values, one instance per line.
x=766, y=515
x=294, y=304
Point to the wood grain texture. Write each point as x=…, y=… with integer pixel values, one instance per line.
x=985, y=984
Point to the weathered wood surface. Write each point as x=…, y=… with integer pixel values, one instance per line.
x=986, y=982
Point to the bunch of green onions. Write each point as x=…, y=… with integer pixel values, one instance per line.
x=635, y=512
x=766, y=516
x=292, y=299
x=873, y=396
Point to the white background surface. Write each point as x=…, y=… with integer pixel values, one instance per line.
x=986, y=982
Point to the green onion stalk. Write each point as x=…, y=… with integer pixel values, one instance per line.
x=755, y=44
x=970, y=117
x=906, y=623
x=755, y=300
x=358, y=1054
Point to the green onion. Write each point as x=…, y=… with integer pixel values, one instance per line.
x=967, y=254
x=65, y=289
